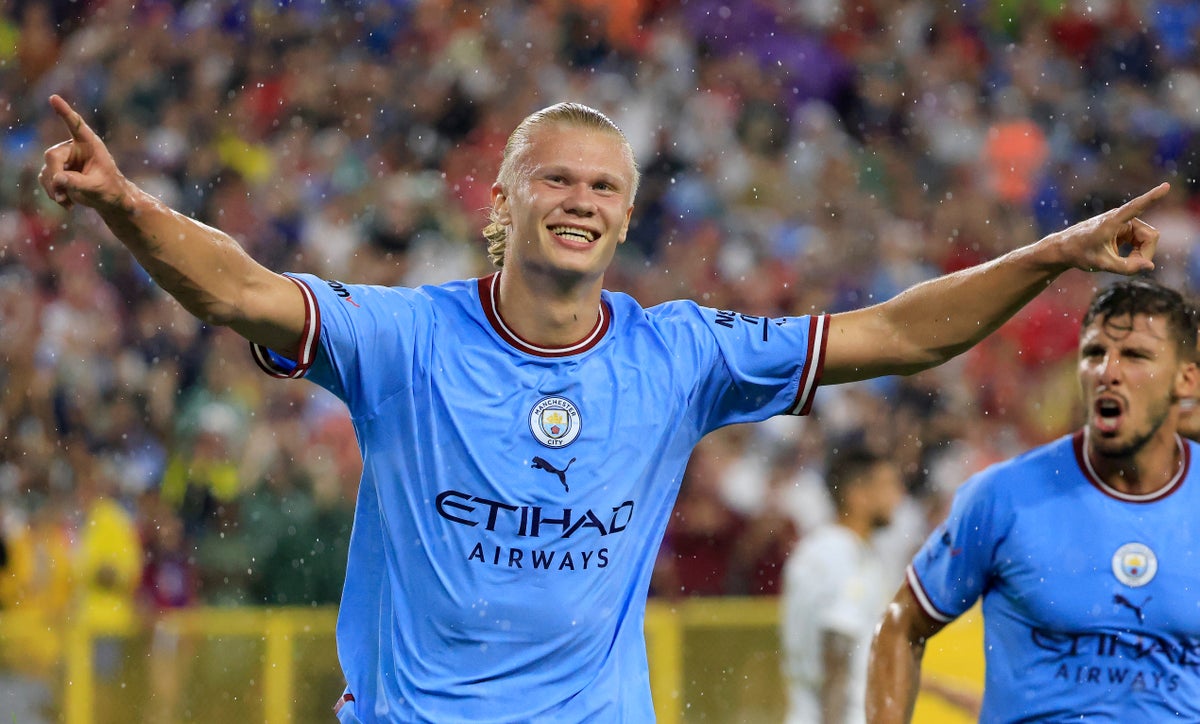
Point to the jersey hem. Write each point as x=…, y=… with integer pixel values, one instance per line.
x=278, y=366
x=918, y=591
x=818, y=336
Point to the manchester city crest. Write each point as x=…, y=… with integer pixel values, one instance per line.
x=554, y=421
x=1134, y=564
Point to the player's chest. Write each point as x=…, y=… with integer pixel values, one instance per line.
x=552, y=407
x=1103, y=566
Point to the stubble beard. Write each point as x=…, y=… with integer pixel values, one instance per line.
x=1118, y=450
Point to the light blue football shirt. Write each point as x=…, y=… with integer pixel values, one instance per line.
x=513, y=497
x=1091, y=597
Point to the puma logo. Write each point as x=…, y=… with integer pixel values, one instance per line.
x=1137, y=610
x=542, y=464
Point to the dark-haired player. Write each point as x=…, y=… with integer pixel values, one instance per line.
x=1085, y=551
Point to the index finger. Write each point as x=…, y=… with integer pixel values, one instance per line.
x=80, y=131
x=1130, y=210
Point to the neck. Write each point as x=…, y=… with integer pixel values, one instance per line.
x=549, y=310
x=858, y=525
x=1146, y=470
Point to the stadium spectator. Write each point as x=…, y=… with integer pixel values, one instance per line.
x=169, y=583
x=168, y=572
x=698, y=553
x=301, y=525
x=108, y=563
x=1082, y=549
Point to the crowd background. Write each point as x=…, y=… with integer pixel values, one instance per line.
x=798, y=156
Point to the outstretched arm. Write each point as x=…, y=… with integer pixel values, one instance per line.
x=933, y=321
x=202, y=267
x=894, y=668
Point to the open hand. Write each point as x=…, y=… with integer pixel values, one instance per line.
x=80, y=170
x=1096, y=243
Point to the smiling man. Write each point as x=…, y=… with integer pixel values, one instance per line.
x=1084, y=550
x=524, y=434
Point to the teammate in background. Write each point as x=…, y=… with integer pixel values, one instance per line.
x=482, y=584
x=1189, y=419
x=1084, y=550
x=835, y=587
x=1189, y=415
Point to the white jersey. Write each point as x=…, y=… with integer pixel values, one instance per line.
x=833, y=582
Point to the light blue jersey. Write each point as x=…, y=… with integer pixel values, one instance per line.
x=1091, y=597
x=513, y=497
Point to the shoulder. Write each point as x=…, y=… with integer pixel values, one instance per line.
x=1039, y=469
x=670, y=321
x=373, y=296
x=827, y=546
x=680, y=318
x=461, y=293
x=822, y=562
x=676, y=310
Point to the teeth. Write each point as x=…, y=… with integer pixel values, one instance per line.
x=583, y=234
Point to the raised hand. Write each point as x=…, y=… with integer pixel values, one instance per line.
x=1096, y=243
x=80, y=170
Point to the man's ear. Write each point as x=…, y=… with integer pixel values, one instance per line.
x=500, y=211
x=625, y=225
x=1187, y=381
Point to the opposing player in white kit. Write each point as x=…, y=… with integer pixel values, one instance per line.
x=835, y=586
x=523, y=435
x=1085, y=551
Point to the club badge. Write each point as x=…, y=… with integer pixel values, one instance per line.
x=1134, y=564
x=554, y=421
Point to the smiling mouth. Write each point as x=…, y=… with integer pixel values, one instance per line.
x=574, y=234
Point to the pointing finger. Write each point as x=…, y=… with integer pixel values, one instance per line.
x=1134, y=207
x=80, y=131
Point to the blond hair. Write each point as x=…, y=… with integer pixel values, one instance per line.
x=574, y=114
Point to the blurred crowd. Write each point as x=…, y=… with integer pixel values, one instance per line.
x=798, y=156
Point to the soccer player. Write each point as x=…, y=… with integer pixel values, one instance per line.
x=835, y=586
x=1189, y=416
x=1189, y=419
x=523, y=434
x=1083, y=550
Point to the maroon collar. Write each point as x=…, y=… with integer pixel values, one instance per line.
x=489, y=298
x=1085, y=466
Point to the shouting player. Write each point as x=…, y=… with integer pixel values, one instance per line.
x=1084, y=550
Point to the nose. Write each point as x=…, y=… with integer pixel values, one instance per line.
x=580, y=201
x=1110, y=368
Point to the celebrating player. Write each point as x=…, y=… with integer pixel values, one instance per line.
x=1083, y=550
x=523, y=435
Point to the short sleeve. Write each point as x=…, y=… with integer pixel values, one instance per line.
x=750, y=368
x=952, y=569
x=351, y=333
